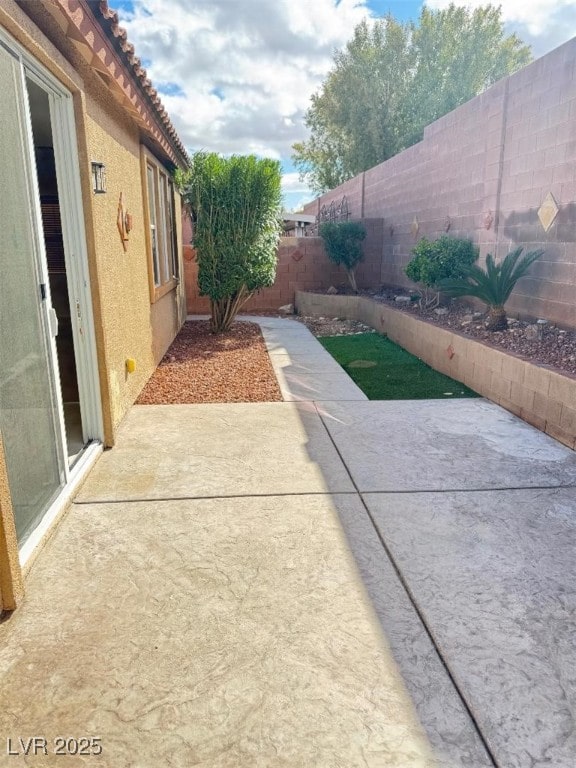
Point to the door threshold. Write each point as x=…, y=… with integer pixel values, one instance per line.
x=33, y=544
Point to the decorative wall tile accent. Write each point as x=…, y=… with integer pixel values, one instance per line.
x=488, y=219
x=548, y=211
x=297, y=255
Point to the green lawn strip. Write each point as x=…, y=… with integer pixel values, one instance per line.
x=396, y=375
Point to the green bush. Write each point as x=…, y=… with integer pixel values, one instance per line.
x=493, y=285
x=436, y=260
x=342, y=240
x=235, y=205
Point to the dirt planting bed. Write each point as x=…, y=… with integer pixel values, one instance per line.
x=201, y=367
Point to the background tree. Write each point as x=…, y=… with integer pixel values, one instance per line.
x=235, y=206
x=356, y=115
x=393, y=79
x=342, y=240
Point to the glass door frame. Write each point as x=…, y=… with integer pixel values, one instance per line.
x=76, y=258
x=75, y=251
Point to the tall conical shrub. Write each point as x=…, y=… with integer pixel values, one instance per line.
x=235, y=206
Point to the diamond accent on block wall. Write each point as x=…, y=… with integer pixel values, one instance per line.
x=548, y=211
x=297, y=255
x=415, y=226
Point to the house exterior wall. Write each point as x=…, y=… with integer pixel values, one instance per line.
x=10, y=575
x=132, y=326
x=127, y=323
x=482, y=171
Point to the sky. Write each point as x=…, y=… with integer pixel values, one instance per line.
x=236, y=76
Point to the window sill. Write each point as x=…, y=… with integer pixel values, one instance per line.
x=162, y=290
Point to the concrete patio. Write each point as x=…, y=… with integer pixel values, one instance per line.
x=324, y=582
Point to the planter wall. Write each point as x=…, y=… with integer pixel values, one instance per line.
x=541, y=396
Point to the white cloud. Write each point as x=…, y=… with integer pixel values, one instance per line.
x=296, y=193
x=237, y=75
x=291, y=183
x=245, y=69
x=545, y=24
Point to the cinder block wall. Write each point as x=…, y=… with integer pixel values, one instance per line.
x=302, y=266
x=483, y=171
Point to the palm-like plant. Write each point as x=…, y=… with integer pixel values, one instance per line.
x=493, y=285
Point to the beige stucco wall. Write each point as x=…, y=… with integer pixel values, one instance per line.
x=127, y=323
x=124, y=312
x=131, y=324
x=11, y=590
x=25, y=31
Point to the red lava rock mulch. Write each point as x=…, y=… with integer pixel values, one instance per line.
x=201, y=367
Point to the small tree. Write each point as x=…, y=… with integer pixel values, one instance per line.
x=235, y=205
x=342, y=240
x=437, y=260
x=493, y=285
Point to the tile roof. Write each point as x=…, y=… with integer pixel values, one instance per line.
x=110, y=23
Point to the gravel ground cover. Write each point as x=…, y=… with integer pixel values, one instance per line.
x=201, y=367
x=333, y=326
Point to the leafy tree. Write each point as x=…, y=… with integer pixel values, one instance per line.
x=493, y=285
x=393, y=79
x=342, y=241
x=235, y=205
x=436, y=260
x=354, y=120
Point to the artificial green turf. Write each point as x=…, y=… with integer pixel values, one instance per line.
x=397, y=375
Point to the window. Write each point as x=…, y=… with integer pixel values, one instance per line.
x=163, y=253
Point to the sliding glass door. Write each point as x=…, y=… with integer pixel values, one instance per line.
x=30, y=409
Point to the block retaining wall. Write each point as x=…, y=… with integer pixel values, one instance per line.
x=541, y=396
x=302, y=266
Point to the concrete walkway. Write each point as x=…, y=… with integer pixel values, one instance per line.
x=325, y=582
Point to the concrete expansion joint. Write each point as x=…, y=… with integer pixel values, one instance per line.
x=491, y=489
x=157, y=499
x=415, y=605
